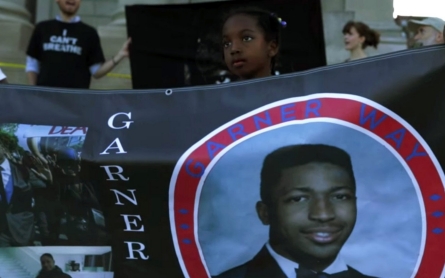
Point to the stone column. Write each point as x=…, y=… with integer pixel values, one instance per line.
x=334, y=17
x=15, y=24
x=16, y=29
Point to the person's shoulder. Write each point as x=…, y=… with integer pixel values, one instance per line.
x=87, y=27
x=354, y=273
x=21, y=169
x=45, y=23
x=236, y=272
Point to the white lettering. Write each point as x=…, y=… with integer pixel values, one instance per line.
x=78, y=50
x=62, y=44
x=126, y=123
x=117, y=193
x=128, y=223
x=118, y=144
x=110, y=174
x=131, y=250
x=63, y=40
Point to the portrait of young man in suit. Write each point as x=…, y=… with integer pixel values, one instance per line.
x=16, y=198
x=308, y=200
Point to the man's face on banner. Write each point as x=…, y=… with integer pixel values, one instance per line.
x=47, y=263
x=313, y=212
x=69, y=7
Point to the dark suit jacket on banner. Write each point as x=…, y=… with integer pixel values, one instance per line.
x=17, y=216
x=263, y=265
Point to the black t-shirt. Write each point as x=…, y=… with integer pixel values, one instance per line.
x=65, y=52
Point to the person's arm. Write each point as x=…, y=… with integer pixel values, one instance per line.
x=443, y=34
x=3, y=79
x=34, y=148
x=33, y=55
x=32, y=69
x=32, y=77
x=110, y=64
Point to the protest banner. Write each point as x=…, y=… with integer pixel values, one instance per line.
x=340, y=167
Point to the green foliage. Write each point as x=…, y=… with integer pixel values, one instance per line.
x=9, y=141
x=9, y=128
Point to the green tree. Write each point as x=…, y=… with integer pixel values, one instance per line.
x=9, y=128
x=10, y=142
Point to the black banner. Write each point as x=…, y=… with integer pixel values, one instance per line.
x=336, y=169
x=180, y=45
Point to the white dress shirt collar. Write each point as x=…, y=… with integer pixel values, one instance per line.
x=73, y=20
x=289, y=267
x=5, y=169
x=5, y=166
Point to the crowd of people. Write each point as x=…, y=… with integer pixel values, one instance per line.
x=65, y=52
x=44, y=201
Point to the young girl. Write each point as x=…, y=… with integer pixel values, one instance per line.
x=251, y=42
x=357, y=37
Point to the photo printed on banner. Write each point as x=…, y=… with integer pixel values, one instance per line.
x=268, y=200
x=56, y=262
x=44, y=200
x=299, y=187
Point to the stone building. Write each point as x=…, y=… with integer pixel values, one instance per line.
x=17, y=18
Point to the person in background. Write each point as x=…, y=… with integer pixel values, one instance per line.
x=16, y=202
x=65, y=52
x=428, y=31
x=49, y=268
x=3, y=79
x=357, y=37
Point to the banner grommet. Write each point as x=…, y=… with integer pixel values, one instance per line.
x=168, y=92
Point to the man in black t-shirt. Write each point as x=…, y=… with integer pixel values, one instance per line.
x=65, y=52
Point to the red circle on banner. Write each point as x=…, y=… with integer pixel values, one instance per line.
x=192, y=168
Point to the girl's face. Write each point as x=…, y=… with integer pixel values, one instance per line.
x=247, y=54
x=353, y=40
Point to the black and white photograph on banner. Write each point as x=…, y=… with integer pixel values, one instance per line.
x=56, y=262
x=255, y=216
x=44, y=201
